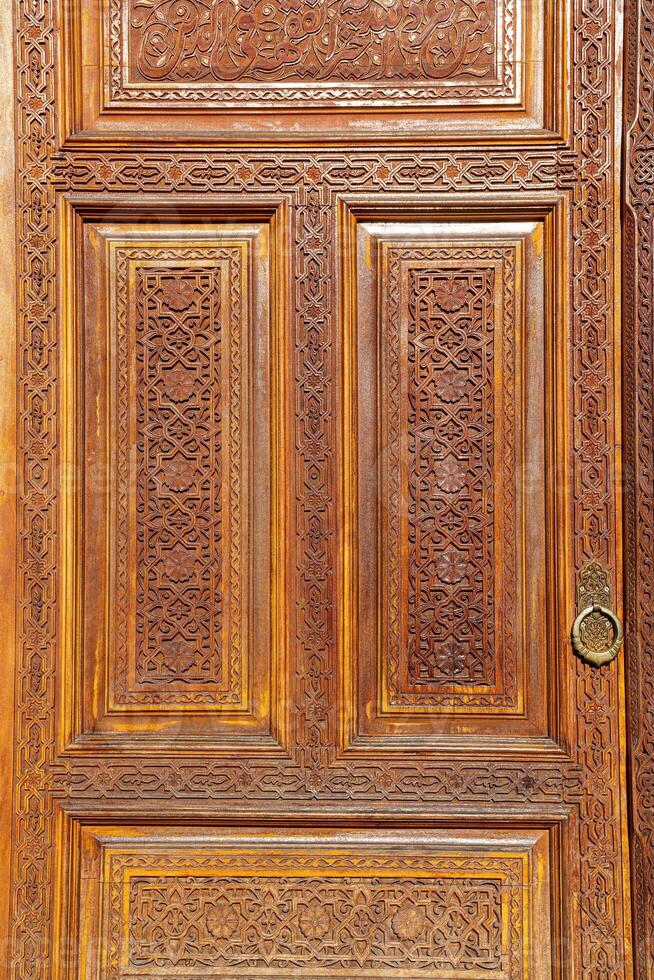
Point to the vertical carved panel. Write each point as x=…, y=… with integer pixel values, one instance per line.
x=180, y=422
x=174, y=542
x=454, y=395
x=450, y=460
x=184, y=328
x=451, y=404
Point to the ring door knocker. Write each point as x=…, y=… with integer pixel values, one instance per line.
x=597, y=631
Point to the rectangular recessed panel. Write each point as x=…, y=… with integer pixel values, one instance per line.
x=183, y=482
x=272, y=52
x=174, y=366
x=449, y=434
x=317, y=905
x=285, y=68
x=450, y=419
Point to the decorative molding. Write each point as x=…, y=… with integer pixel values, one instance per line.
x=240, y=914
x=638, y=402
x=454, y=292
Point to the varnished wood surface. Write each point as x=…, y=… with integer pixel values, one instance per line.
x=319, y=387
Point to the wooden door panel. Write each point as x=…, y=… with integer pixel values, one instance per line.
x=317, y=438
x=313, y=904
x=275, y=68
x=456, y=390
x=172, y=394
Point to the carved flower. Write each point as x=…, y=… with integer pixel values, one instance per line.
x=179, y=564
x=450, y=474
x=179, y=383
x=409, y=922
x=179, y=656
x=451, y=385
x=314, y=921
x=177, y=293
x=451, y=566
x=222, y=920
x=451, y=657
x=177, y=474
x=451, y=294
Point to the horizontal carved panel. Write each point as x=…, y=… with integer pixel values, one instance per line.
x=370, y=905
x=281, y=51
x=173, y=539
x=322, y=65
x=453, y=395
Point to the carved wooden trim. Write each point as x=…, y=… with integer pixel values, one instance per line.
x=638, y=352
x=8, y=473
x=220, y=284
x=481, y=273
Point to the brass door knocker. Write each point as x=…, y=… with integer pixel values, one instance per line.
x=596, y=632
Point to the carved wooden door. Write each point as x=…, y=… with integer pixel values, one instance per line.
x=318, y=460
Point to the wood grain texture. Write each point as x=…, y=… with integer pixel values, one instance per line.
x=319, y=906
x=8, y=464
x=639, y=463
x=426, y=69
x=161, y=164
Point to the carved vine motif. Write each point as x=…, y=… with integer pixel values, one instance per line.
x=323, y=49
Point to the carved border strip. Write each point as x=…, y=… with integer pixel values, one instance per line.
x=37, y=493
x=638, y=287
x=226, y=870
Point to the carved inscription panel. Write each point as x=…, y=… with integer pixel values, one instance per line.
x=452, y=410
x=168, y=394
x=401, y=44
x=368, y=905
x=322, y=64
